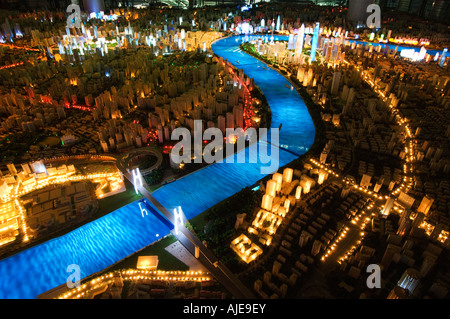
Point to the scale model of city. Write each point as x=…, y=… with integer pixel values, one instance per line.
x=224, y=150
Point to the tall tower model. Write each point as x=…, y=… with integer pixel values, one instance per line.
x=315, y=41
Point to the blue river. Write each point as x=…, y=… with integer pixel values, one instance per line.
x=111, y=238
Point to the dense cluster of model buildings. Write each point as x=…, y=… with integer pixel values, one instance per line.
x=379, y=182
x=375, y=103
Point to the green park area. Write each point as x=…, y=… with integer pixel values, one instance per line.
x=111, y=203
x=49, y=141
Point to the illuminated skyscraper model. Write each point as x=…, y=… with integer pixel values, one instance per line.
x=409, y=280
x=442, y=60
x=299, y=44
x=314, y=41
x=278, y=24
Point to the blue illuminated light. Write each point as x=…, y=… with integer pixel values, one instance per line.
x=115, y=236
x=315, y=41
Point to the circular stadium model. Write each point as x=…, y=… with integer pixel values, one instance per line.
x=146, y=159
